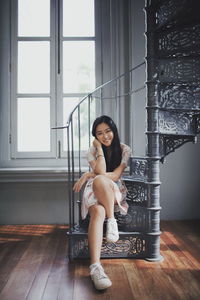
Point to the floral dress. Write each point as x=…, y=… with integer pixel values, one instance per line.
x=119, y=187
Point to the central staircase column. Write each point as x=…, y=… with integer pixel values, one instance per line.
x=153, y=155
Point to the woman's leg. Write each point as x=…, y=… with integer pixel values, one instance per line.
x=95, y=237
x=103, y=190
x=95, y=231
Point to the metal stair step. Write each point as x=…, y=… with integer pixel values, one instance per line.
x=130, y=245
x=121, y=233
x=181, y=69
x=136, y=189
x=178, y=42
x=134, y=178
x=170, y=13
x=138, y=170
x=179, y=96
x=179, y=136
x=176, y=123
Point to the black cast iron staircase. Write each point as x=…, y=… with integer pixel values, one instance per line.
x=173, y=56
x=134, y=227
x=173, y=119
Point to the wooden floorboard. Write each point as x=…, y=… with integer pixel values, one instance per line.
x=34, y=266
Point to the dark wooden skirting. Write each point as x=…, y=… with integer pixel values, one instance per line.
x=34, y=265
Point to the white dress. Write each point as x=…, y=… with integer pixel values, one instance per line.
x=119, y=187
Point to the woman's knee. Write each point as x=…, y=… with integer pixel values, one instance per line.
x=100, y=182
x=97, y=211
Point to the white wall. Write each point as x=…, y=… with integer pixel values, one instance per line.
x=180, y=188
x=33, y=203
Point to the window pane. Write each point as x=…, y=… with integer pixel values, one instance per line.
x=33, y=125
x=33, y=17
x=78, y=17
x=33, y=67
x=78, y=67
x=68, y=105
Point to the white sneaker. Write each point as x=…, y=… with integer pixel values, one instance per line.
x=100, y=279
x=112, y=234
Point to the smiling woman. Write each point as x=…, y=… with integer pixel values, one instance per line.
x=104, y=192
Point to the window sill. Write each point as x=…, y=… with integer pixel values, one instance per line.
x=35, y=174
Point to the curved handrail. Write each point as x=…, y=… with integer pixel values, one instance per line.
x=97, y=89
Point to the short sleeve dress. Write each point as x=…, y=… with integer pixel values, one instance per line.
x=119, y=187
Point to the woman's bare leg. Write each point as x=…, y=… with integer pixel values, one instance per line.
x=95, y=238
x=103, y=190
x=95, y=231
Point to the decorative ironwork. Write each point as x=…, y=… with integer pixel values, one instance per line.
x=127, y=246
x=80, y=247
x=179, y=42
x=176, y=123
x=137, y=219
x=179, y=96
x=169, y=144
x=168, y=10
x=136, y=192
x=179, y=70
x=138, y=168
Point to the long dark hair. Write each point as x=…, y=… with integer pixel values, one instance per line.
x=116, y=152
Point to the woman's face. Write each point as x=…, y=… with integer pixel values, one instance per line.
x=104, y=134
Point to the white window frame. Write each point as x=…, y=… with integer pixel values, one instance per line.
x=57, y=156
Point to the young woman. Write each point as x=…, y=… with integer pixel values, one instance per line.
x=104, y=192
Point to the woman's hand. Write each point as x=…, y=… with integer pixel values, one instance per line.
x=96, y=144
x=78, y=185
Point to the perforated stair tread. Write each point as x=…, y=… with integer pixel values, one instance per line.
x=84, y=232
x=177, y=135
x=134, y=178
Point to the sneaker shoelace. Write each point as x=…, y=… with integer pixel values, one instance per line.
x=99, y=272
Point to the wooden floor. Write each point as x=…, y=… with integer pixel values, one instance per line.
x=33, y=265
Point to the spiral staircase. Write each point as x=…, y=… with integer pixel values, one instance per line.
x=173, y=119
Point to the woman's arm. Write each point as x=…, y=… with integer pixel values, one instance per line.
x=78, y=185
x=117, y=173
x=99, y=166
x=115, y=176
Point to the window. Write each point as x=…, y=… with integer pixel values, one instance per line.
x=52, y=68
